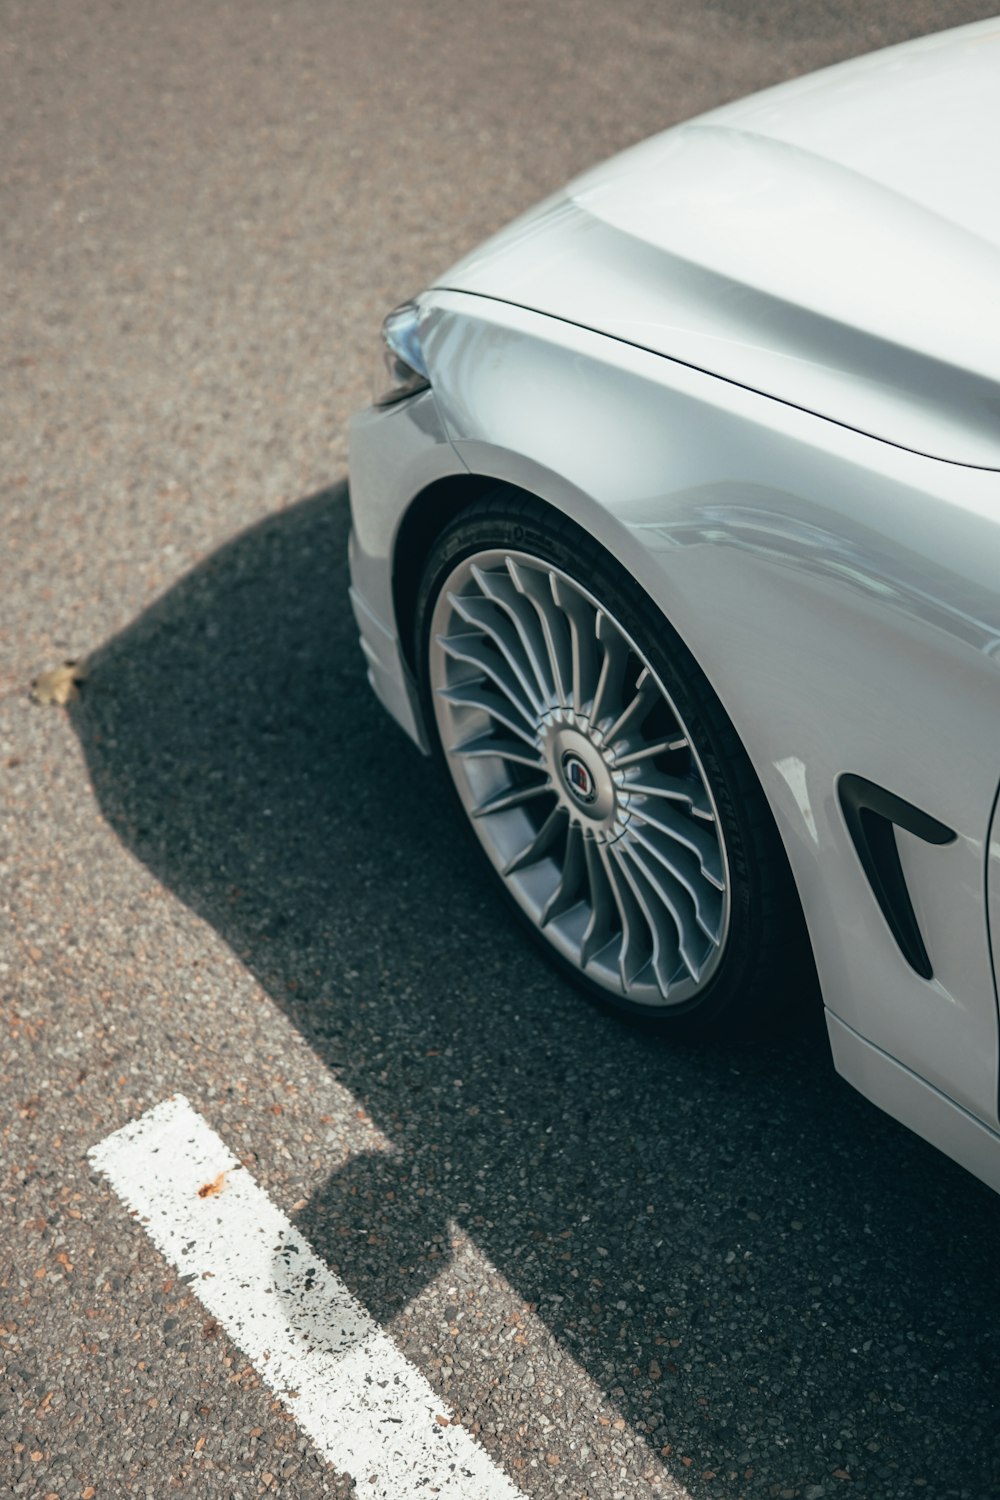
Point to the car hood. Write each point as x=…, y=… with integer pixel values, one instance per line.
x=833, y=243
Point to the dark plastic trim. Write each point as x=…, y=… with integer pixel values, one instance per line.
x=870, y=813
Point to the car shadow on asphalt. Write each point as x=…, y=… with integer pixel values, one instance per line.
x=747, y=1256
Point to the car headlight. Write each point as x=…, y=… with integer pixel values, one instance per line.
x=403, y=356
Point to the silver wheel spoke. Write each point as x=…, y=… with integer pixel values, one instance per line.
x=572, y=880
x=540, y=844
x=474, y=695
x=514, y=796
x=583, y=642
x=500, y=587
x=474, y=652
x=673, y=789
x=648, y=752
x=676, y=901
x=694, y=836
x=636, y=947
x=537, y=587
x=559, y=728
x=665, y=950
x=486, y=745
x=612, y=673
x=497, y=627
x=646, y=694
x=600, y=928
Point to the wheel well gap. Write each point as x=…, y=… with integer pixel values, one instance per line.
x=426, y=517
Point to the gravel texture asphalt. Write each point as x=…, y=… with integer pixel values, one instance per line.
x=630, y=1269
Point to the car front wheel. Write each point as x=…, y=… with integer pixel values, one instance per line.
x=600, y=775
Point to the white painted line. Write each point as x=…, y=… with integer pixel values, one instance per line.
x=368, y=1410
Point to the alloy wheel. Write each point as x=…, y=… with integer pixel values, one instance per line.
x=580, y=778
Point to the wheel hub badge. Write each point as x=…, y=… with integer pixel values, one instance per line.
x=578, y=778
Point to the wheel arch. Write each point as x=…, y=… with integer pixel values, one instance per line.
x=438, y=503
x=431, y=509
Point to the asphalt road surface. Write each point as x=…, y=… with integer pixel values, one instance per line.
x=624, y=1269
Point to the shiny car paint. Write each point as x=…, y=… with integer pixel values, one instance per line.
x=800, y=468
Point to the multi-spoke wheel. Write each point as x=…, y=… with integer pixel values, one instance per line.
x=584, y=747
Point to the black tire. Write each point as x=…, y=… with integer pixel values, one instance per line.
x=763, y=965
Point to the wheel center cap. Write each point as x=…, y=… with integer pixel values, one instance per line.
x=578, y=779
x=582, y=779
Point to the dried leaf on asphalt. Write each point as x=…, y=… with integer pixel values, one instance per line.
x=209, y=1189
x=59, y=684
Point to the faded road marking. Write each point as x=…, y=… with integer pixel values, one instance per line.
x=368, y=1410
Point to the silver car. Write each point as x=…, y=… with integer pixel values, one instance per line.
x=676, y=536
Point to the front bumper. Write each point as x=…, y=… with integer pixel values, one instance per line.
x=396, y=452
x=390, y=678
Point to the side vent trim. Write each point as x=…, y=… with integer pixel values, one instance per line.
x=870, y=813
